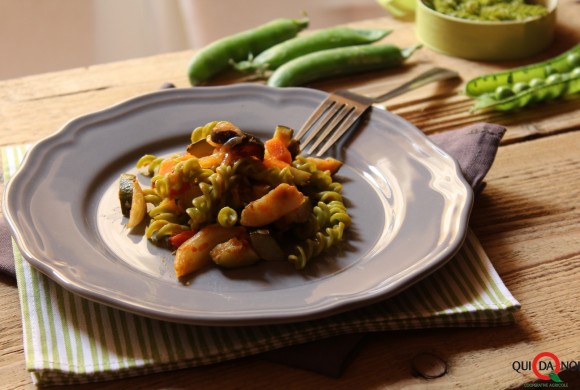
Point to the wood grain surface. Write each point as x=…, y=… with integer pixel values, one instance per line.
x=527, y=218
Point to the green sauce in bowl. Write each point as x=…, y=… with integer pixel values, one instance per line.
x=488, y=10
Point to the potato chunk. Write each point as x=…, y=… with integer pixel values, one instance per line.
x=272, y=206
x=138, y=206
x=194, y=253
x=234, y=253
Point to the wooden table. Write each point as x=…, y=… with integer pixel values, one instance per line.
x=527, y=218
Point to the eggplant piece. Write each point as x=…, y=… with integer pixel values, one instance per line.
x=234, y=140
x=294, y=148
x=249, y=146
x=223, y=131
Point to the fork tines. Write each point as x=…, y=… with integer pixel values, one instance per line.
x=331, y=119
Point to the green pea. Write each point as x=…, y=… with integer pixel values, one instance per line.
x=340, y=61
x=553, y=78
x=552, y=90
x=537, y=82
x=520, y=87
x=217, y=56
x=328, y=38
x=573, y=60
x=540, y=90
x=548, y=70
x=575, y=72
x=489, y=82
x=503, y=92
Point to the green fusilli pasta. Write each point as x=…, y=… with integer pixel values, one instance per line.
x=202, y=132
x=151, y=196
x=227, y=217
x=151, y=162
x=159, y=229
x=206, y=206
x=313, y=247
x=292, y=200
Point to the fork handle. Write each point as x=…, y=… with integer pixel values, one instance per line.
x=432, y=75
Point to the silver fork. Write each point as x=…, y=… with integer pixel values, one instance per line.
x=341, y=109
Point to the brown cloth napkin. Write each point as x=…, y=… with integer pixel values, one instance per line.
x=474, y=147
x=6, y=256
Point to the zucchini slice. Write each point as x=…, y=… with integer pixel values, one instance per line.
x=132, y=199
x=200, y=148
x=126, y=192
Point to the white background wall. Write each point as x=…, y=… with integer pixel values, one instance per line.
x=38, y=36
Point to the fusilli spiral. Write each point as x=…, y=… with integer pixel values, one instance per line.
x=217, y=193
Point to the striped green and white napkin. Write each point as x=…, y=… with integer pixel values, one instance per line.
x=68, y=339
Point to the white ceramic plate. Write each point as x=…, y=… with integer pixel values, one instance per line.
x=408, y=200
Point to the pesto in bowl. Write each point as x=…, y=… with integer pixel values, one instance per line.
x=488, y=10
x=484, y=40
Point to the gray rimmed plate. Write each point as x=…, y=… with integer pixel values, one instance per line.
x=409, y=203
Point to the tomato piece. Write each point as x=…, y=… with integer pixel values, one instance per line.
x=179, y=238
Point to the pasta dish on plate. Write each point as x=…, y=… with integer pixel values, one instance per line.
x=232, y=200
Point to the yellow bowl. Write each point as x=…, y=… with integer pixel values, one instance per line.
x=487, y=41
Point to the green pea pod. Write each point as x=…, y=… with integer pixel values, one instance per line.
x=564, y=87
x=328, y=38
x=490, y=82
x=217, y=56
x=340, y=61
